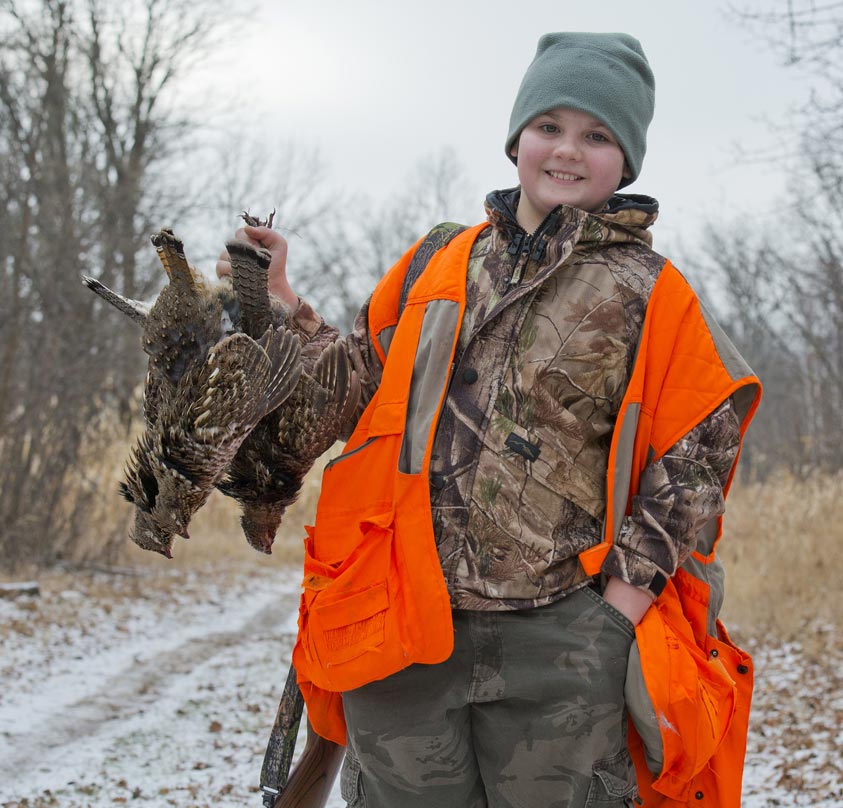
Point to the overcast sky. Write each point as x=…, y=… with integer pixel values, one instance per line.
x=378, y=85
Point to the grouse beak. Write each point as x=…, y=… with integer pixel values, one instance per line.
x=261, y=543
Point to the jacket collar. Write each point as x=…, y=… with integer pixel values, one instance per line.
x=626, y=218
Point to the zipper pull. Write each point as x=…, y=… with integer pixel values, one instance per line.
x=539, y=248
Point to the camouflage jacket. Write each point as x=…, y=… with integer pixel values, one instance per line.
x=518, y=467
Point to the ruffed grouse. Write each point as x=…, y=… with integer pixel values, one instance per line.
x=207, y=386
x=267, y=473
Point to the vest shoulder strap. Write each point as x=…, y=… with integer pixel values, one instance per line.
x=435, y=240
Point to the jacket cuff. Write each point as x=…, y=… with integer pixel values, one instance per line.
x=305, y=319
x=635, y=569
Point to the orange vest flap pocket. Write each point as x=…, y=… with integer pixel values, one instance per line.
x=342, y=609
x=350, y=624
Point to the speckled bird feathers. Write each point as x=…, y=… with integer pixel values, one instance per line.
x=208, y=385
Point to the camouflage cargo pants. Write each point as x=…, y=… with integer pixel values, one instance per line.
x=528, y=711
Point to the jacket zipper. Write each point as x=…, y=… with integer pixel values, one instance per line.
x=529, y=246
x=520, y=246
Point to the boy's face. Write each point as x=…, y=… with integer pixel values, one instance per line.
x=566, y=157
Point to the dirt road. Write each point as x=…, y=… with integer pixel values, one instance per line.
x=163, y=699
x=160, y=691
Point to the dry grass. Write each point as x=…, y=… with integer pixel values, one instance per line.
x=783, y=544
x=216, y=537
x=783, y=550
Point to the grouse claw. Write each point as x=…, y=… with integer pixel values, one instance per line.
x=254, y=221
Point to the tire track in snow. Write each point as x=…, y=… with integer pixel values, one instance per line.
x=70, y=738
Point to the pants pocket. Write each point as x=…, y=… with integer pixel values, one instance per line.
x=613, y=783
x=350, y=787
x=616, y=616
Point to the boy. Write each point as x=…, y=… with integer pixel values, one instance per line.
x=549, y=429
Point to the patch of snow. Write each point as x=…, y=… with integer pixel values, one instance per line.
x=162, y=692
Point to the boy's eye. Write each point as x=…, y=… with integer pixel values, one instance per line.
x=549, y=128
x=599, y=137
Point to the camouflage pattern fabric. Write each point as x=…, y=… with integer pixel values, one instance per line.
x=313, y=332
x=677, y=495
x=518, y=468
x=528, y=711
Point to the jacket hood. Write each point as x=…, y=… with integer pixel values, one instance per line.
x=627, y=217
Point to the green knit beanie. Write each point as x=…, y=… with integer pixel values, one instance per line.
x=605, y=75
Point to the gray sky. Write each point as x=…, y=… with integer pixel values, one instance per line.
x=378, y=85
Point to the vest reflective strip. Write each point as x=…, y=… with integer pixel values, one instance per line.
x=713, y=574
x=431, y=368
x=385, y=339
x=626, y=461
x=623, y=467
x=734, y=363
x=383, y=304
x=620, y=460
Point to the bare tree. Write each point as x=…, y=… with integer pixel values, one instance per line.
x=784, y=283
x=252, y=174
x=346, y=253
x=748, y=283
x=89, y=126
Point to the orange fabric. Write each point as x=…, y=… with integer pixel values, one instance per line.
x=374, y=596
x=700, y=685
x=383, y=306
x=678, y=374
x=374, y=599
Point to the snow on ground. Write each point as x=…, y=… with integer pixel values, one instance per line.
x=155, y=690
x=160, y=690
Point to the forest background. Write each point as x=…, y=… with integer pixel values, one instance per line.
x=103, y=139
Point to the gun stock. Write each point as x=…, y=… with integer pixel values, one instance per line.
x=313, y=776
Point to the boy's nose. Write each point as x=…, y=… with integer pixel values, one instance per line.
x=567, y=148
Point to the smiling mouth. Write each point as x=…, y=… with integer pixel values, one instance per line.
x=562, y=175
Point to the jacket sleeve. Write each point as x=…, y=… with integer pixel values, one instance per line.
x=365, y=361
x=678, y=494
x=316, y=335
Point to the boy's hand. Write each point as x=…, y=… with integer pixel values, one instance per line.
x=631, y=601
x=276, y=244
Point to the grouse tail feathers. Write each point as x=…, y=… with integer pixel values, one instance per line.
x=283, y=349
x=333, y=372
x=134, y=309
x=171, y=254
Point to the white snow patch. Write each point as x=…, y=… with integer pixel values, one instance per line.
x=162, y=692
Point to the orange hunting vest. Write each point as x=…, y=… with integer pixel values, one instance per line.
x=375, y=599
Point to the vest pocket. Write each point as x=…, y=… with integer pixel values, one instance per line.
x=346, y=603
x=681, y=697
x=353, y=622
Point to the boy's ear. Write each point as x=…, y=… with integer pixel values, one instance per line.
x=627, y=174
x=514, y=150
